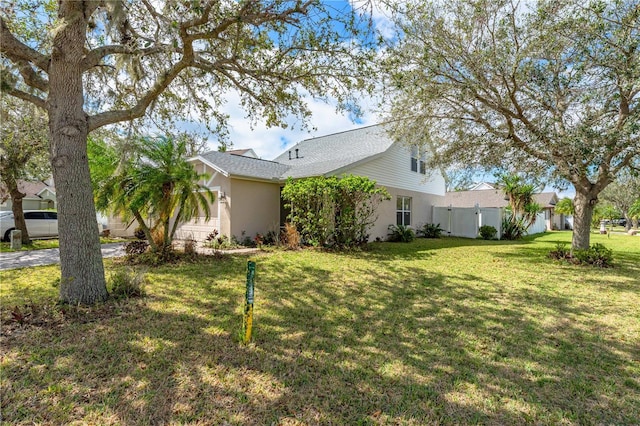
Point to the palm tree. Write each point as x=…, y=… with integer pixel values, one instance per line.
x=524, y=209
x=157, y=185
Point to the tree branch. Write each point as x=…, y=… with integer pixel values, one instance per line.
x=140, y=107
x=17, y=51
x=37, y=101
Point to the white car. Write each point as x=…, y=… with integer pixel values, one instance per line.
x=40, y=224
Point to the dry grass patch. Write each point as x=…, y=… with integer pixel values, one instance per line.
x=437, y=331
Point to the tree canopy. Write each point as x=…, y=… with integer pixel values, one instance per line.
x=95, y=63
x=547, y=87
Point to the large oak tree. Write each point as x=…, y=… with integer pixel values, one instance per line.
x=550, y=87
x=94, y=63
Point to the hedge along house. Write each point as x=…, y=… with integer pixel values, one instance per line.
x=248, y=189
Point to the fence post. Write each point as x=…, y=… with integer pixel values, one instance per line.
x=247, y=321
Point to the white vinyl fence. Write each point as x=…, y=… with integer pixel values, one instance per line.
x=466, y=221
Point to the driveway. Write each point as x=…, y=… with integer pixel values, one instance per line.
x=23, y=259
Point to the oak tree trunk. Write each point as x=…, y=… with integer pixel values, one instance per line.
x=18, y=214
x=81, y=265
x=583, y=205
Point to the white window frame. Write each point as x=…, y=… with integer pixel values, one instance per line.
x=414, y=158
x=404, y=209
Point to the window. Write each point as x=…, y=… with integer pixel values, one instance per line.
x=35, y=215
x=414, y=158
x=423, y=163
x=403, y=211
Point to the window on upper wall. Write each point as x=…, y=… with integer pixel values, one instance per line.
x=403, y=211
x=423, y=163
x=414, y=158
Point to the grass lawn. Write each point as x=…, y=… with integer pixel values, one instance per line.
x=447, y=331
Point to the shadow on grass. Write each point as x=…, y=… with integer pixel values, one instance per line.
x=401, y=346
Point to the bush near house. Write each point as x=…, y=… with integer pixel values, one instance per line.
x=488, y=232
x=332, y=211
x=430, y=230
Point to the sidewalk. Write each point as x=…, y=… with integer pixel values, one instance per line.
x=23, y=259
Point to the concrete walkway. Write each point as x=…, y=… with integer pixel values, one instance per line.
x=24, y=259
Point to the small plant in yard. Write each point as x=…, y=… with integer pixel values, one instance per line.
x=488, y=232
x=401, y=233
x=126, y=284
x=430, y=230
x=258, y=240
x=561, y=252
x=190, y=246
x=136, y=247
x=596, y=255
x=291, y=236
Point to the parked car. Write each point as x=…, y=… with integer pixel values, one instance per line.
x=620, y=222
x=40, y=224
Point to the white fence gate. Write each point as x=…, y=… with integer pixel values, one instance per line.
x=466, y=221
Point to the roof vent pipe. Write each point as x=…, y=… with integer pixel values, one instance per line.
x=297, y=153
x=289, y=155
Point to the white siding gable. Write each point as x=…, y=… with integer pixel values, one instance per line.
x=393, y=169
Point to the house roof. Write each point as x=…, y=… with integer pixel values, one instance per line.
x=492, y=198
x=245, y=152
x=482, y=185
x=331, y=153
x=241, y=166
x=31, y=189
x=315, y=157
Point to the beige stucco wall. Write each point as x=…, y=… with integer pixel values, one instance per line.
x=421, y=211
x=254, y=206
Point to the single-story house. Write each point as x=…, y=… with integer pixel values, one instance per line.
x=39, y=195
x=496, y=198
x=248, y=189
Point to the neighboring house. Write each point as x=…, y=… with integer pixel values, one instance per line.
x=244, y=152
x=248, y=189
x=496, y=198
x=39, y=195
x=482, y=185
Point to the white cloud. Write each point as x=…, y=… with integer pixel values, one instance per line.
x=270, y=142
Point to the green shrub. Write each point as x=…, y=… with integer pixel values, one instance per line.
x=430, y=230
x=126, y=284
x=333, y=212
x=512, y=228
x=561, y=252
x=400, y=233
x=596, y=255
x=488, y=232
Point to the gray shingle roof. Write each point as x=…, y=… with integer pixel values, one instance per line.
x=238, y=165
x=326, y=154
x=316, y=156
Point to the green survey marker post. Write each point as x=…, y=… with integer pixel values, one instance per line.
x=247, y=322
